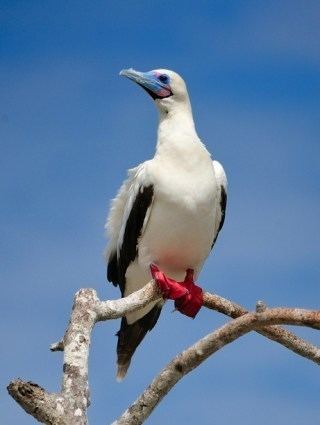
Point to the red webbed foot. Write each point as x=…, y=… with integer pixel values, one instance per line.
x=187, y=295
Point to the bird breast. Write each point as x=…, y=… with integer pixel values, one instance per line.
x=179, y=232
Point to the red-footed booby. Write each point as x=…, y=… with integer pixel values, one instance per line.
x=166, y=216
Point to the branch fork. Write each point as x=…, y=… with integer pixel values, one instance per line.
x=69, y=407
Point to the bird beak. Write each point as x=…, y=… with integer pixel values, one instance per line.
x=148, y=81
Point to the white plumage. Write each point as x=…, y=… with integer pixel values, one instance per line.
x=186, y=212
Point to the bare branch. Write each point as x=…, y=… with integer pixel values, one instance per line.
x=57, y=346
x=261, y=306
x=115, y=309
x=189, y=359
x=276, y=333
x=45, y=407
x=69, y=407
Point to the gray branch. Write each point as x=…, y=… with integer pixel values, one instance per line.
x=69, y=407
x=191, y=358
x=275, y=333
x=45, y=407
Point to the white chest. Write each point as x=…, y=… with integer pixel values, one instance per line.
x=180, y=229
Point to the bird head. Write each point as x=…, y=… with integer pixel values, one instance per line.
x=166, y=88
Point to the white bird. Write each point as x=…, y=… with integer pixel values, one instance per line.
x=168, y=212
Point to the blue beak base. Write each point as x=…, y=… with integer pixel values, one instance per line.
x=148, y=81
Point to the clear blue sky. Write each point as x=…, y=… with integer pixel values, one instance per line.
x=69, y=129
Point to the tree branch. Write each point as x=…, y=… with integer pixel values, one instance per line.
x=275, y=333
x=191, y=358
x=45, y=407
x=69, y=407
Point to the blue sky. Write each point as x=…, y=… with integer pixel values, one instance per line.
x=69, y=129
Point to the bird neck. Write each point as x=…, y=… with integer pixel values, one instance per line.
x=176, y=127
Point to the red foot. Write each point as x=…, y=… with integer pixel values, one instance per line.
x=187, y=295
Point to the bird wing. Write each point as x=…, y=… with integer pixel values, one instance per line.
x=222, y=184
x=129, y=214
x=128, y=218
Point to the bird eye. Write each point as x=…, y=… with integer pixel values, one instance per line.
x=164, y=78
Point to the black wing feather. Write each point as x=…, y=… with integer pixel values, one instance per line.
x=130, y=336
x=117, y=266
x=223, y=206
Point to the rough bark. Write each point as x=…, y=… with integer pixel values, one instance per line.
x=69, y=406
x=275, y=333
x=191, y=358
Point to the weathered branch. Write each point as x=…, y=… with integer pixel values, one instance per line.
x=205, y=347
x=69, y=407
x=45, y=407
x=275, y=333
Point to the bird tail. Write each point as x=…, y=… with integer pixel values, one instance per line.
x=130, y=336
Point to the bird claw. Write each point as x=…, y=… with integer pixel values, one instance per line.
x=187, y=295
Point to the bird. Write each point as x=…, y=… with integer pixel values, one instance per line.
x=166, y=216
